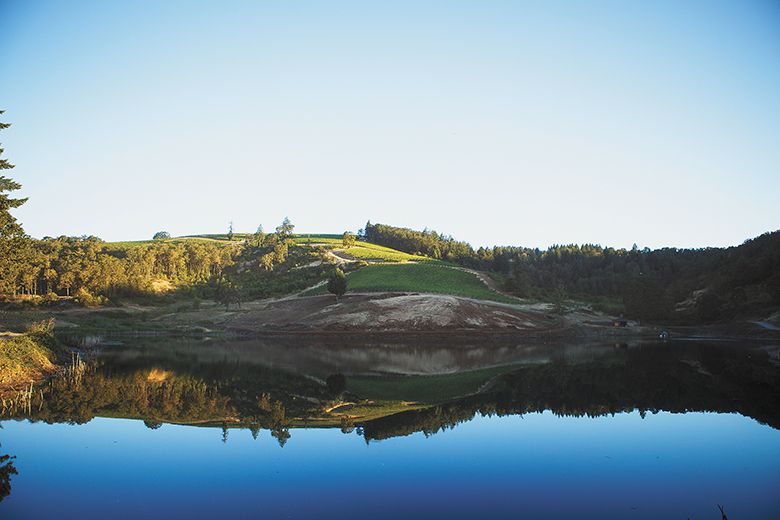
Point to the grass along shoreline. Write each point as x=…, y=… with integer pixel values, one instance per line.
x=28, y=357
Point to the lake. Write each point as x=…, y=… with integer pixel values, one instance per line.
x=430, y=427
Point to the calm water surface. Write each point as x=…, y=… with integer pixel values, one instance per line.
x=433, y=431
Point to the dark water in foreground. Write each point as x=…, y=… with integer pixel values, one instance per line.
x=495, y=430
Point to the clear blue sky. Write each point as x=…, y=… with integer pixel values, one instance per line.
x=499, y=122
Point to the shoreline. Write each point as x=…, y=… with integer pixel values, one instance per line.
x=714, y=333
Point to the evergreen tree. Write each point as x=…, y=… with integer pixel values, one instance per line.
x=285, y=229
x=257, y=238
x=14, y=244
x=337, y=283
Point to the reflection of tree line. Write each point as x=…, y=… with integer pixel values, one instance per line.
x=223, y=394
x=675, y=378
x=179, y=399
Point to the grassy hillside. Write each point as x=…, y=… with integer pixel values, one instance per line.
x=28, y=357
x=318, y=238
x=375, y=253
x=424, y=277
x=360, y=251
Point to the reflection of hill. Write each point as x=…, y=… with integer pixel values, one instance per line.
x=675, y=378
x=324, y=355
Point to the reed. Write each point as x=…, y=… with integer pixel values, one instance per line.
x=20, y=402
x=74, y=373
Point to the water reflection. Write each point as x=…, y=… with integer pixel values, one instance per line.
x=392, y=388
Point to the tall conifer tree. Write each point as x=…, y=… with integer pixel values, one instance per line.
x=14, y=244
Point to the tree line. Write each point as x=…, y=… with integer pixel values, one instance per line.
x=87, y=267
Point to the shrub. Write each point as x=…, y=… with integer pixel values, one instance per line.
x=87, y=299
x=41, y=328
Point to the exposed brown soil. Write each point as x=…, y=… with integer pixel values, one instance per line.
x=388, y=312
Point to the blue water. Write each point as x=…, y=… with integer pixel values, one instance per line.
x=535, y=466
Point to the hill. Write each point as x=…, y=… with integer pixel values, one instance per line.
x=372, y=268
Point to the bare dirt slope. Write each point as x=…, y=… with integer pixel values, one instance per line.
x=387, y=312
